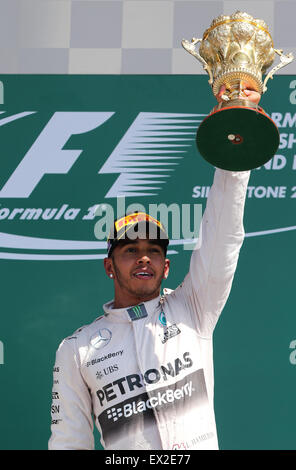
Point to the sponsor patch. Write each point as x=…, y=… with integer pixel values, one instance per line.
x=169, y=333
x=137, y=312
x=144, y=403
x=133, y=382
x=106, y=371
x=104, y=358
x=100, y=339
x=162, y=318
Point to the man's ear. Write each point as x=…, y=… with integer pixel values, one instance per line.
x=166, y=268
x=108, y=265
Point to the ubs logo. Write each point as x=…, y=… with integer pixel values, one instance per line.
x=107, y=371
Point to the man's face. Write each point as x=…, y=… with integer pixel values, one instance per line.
x=138, y=268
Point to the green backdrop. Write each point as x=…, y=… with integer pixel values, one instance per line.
x=52, y=281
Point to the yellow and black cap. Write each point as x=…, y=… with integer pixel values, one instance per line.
x=136, y=225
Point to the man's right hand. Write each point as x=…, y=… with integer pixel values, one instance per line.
x=251, y=95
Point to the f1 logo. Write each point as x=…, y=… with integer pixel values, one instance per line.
x=46, y=154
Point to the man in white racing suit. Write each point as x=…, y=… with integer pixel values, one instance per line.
x=143, y=371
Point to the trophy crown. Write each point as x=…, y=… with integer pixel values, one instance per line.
x=237, y=46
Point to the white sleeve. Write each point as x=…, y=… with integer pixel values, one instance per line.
x=71, y=409
x=212, y=266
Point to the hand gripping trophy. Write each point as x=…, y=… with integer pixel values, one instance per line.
x=236, y=51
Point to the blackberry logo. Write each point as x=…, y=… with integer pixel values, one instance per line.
x=136, y=407
x=114, y=414
x=104, y=358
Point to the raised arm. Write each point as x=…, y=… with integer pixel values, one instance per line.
x=212, y=267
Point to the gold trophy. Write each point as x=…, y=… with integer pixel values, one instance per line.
x=236, y=51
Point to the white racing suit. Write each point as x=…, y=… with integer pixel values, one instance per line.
x=144, y=375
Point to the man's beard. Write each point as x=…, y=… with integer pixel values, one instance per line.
x=143, y=290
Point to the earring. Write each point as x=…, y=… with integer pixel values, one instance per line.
x=111, y=275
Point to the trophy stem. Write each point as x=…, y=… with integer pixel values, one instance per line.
x=238, y=102
x=234, y=89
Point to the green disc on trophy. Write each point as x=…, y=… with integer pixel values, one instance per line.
x=236, y=51
x=237, y=138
